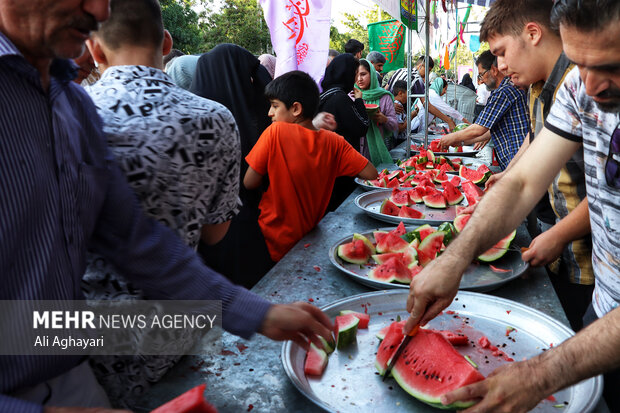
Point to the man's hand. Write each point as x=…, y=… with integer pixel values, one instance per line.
x=448, y=140
x=82, y=410
x=481, y=144
x=297, y=322
x=325, y=120
x=544, y=249
x=357, y=93
x=433, y=289
x=451, y=124
x=512, y=388
x=398, y=108
x=380, y=118
x=493, y=179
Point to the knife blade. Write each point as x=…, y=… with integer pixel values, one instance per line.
x=399, y=350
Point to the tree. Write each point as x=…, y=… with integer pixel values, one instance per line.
x=355, y=29
x=237, y=21
x=182, y=23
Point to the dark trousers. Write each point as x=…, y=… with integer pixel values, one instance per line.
x=611, y=390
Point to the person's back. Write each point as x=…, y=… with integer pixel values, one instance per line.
x=302, y=164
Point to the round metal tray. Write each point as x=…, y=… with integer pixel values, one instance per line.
x=370, y=203
x=366, y=187
x=349, y=383
x=478, y=276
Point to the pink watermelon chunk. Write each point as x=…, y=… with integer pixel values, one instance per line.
x=391, y=243
x=451, y=194
x=442, y=177
x=379, y=236
x=430, y=367
x=430, y=247
x=472, y=192
x=408, y=212
x=435, y=201
x=316, y=361
x=394, y=183
x=389, y=208
x=456, y=181
x=456, y=339
x=364, y=318
x=392, y=270
x=399, y=198
x=355, y=252
x=400, y=229
x=192, y=401
x=460, y=221
x=391, y=340
x=471, y=175
x=380, y=183
x=416, y=194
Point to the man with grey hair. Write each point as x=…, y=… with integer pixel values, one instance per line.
x=378, y=60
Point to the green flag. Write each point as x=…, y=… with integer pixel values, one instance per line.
x=388, y=38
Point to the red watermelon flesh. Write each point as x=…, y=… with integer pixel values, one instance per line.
x=456, y=339
x=416, y=194
x=390, y=271
x=472, y=192
x=399, y=198
x=483, y=169
x=445, y=168
x=394, y=183
x=316, y=361
x=391, y=243
x=391, y=340
x=424, y=231
x=416, y=270
x=442, y=177
x=381, y=334
x=400, y=229
x=451, y=194
x=364, y=318
x=389, y=208
x=471, y=175
x=192, y=401
x=435, y=201
x=460, y=221
x=456, y=181
x=380, y=183
x=382, y=258
x=395, y=175
x=430, y=367
x=355, y=252
x=379, y=236
x=407, y=212
x=430, y=246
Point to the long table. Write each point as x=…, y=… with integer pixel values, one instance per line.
x=243, y=379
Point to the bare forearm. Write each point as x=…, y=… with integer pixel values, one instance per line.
x=575, y=225
x=436, y=112
x=567, y=363
x=484, y=137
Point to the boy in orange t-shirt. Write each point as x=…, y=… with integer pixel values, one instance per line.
x=302, y=163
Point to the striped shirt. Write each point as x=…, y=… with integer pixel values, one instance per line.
x=575, y=116
x=506, y=115
x=62, y=192
x=417, y=83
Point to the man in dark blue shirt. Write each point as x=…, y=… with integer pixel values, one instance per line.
x=63, y=193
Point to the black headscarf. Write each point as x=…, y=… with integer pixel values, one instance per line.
x=232, y=76
x=341, y=73
x=467, y=82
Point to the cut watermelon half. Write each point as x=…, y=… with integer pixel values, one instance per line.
x=498, y=250
x=345, y=329
x=364, y=318
x=316, y=361
x=389, y=208
x=430, y=367
x=192, y=401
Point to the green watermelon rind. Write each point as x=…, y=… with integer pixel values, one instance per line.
x=347, y=333
x=465, y=173
x=343, y=256
x=385, y=205
x=457, y=221
x=435, y=402
x=428, y=201
x=366, y=241
x=502, y=249
x=327, y=346
x=425, y=244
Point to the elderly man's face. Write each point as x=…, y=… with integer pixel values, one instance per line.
x=44, y=29
x=597, y=54
x=378, y=66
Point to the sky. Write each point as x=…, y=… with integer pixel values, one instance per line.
x=355, y=7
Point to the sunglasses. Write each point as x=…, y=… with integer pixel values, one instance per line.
x=481, y=75
x=612, y=165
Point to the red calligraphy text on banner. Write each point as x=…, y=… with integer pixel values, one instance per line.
x=391, y=39
x=297, y=25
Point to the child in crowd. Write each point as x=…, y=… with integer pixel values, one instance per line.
x=400, y=99
x=301, y=161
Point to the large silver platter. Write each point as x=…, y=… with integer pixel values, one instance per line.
x=478, y=276
x=349, y=383
x=366, y=187
x=370, y=203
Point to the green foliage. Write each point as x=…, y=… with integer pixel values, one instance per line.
x=238, y=21
x=182, y=23
x=355, y=30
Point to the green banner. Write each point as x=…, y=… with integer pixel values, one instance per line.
x=388, y=38
x=409, y=13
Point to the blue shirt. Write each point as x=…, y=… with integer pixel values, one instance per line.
x=61, y=193
x=506, y=115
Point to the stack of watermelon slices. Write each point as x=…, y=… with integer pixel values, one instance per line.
x=400, y=202
x=412, y=178
x=478, y=176
x=495, y=252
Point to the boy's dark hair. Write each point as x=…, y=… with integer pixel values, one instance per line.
x=399, y=86
x=586, y=15
x=133, y=22
x=431, y=62
x=353, y=46
x=509, y=17
x=486, y=60
x=295, y=86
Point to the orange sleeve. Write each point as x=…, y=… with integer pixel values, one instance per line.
x=258, y=158
x=351, y=161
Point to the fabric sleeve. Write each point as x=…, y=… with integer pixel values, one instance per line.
x=226, y=203
x=443, y=107
x=563, y=118
x=496, y=107
x=13, y=405
x=152, y=256
x=418, y=87
x=350, y=162
x=350, y=115
x=258, y=157
x=387, y=107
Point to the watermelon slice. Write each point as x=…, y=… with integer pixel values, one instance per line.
x=430, y=367
x=430, y=155
x=430, y=247
x=456, y=181
x=441, y=177
x=498, y=250
x=389, y=208
x=392, y=270
x=435, y=201
x=399, y=198
x=424, y=231
x=394, y=183
x=316, y=361
x=391, y=243
x=381, y=334
x=391, y=340
x=328, y=346
x=400, y=229
x=451, y=194
x=345, y=329
x=472, y=192
x=395, y=174
x=471, y=175
x=192, y=401
x=379, y=236
x=364, y=318
x=355, y=252
x=416, y=194
x=382, y=258
x=460, y=221
x=408, y=212
x=366, y=241
x=380, y=183
x=456, y=339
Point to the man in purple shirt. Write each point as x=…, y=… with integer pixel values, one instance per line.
x=63, y=193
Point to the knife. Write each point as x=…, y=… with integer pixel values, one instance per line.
x=400, y=349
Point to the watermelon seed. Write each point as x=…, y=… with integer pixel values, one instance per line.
x=251, y=369
x=391, y=388
x=426, y=376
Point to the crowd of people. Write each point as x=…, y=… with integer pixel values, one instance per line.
x=135, y=171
